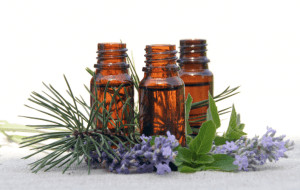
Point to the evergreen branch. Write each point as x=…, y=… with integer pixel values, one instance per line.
x=82, y=136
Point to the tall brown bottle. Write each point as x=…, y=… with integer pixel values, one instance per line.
x=161, y=94
x=194, y=72
x=111, y=66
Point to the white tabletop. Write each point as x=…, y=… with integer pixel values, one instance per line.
x=15, y=174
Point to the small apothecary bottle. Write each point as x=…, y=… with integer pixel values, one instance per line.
x=112, y=67
x=161, y=94
x=197, y=78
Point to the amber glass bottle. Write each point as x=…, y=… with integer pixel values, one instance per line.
x=161, y=94
x=194, y=72
x=111, y=66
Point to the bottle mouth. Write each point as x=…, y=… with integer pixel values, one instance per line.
x=160, y=49
x=193, y=50
x=192, y=42
x=111, y=54
x=160, y=52
x=111, y=50
x=111, y=47
x=193, y=46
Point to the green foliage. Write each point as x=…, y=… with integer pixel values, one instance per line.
x=234, y=130
x=202, y=143
x=80, y=133
x=188, y=105
x=228, y=92
x=212, y=112
x=221, y=162
x=134, y=75
x=196, y=156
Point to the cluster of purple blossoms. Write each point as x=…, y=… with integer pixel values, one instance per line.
x=249, y=153
x=143, y=157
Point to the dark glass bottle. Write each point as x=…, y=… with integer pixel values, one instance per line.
x=111, y=66
x=194, y=72
x=161, y=94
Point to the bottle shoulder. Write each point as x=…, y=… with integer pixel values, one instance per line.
x=114, y=79
x=161, y=82
x=190, y=72
x=195, y=77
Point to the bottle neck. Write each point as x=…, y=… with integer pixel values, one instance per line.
x=111, y=71
x=193, y=66
x=193, y=54
x=111, y=56
x=161, y=61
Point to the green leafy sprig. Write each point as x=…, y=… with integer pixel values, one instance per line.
x=196, y=156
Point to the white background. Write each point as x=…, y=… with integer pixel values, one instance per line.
x=254, y=44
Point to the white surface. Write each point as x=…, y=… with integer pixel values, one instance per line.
x=15, y=174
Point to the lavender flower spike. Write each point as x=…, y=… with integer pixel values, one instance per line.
x=250, y=153
x=142, y=158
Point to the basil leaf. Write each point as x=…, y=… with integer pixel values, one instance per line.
x=222, y=162
x=188, y=105
x=202, y=143
x=212, y=111
x=188, y=139
x=220, y=140
x=178, y=162
x=202, y=159
x=234, y=131
x=241, y=126
x=186, y=169
x=184, y=154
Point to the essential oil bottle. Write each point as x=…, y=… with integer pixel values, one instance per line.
x=161, y=94
x=198, y=79
x=112, y=67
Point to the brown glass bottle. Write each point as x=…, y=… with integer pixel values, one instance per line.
x=161, y=94
x=194, y=72
x=111, y=66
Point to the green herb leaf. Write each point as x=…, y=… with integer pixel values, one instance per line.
x=220, y=140
x=212, y=112
x=188, y=105
x=202, y=159
x=202, y=143
x=184, y=154
x=222, y=162
x=234, y=131
x=188, y=139
x=186, y=169
x=178, y=162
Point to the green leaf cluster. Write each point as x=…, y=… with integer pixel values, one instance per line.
x=234, y=130
x=196, y=156
x=228, y=92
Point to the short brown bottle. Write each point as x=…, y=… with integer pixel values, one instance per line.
x=198, y=79
x=161, y=94
x=112, y=67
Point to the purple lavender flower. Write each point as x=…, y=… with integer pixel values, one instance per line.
x=266, y=141
x=241, y=162
x=270, y=131
x=143, y=157
x=166, y=151
x=257, y=150
x=230, y=146
x=162, y=169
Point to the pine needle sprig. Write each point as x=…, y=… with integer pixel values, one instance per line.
x=80, y=135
